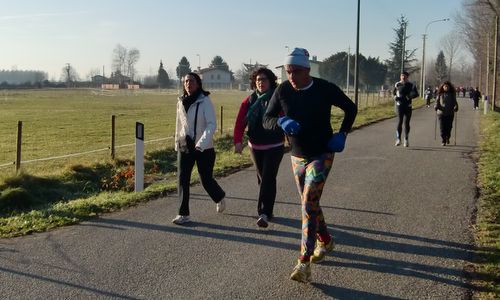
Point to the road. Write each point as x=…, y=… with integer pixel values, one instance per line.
x=401, y=218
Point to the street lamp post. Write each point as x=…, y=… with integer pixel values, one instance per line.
x=422, y=73
x=199, y=62
x=348, y=63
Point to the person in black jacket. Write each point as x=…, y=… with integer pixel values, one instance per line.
x=404, y=92
x=266, y=146
x=306, y=103
x=446, y=106
x=476, y=95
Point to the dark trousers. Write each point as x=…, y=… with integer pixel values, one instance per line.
x=446, y=124
x=267, y=163
x=476, y=103
x=205, y=162
x=404, y=113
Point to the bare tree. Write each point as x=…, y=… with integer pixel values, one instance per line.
x=69, y=75
x=119, y=58
x=451, y=45
x=131, y=60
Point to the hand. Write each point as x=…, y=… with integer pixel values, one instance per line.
x=337, y=142
x=238, y=148
x=289, y=126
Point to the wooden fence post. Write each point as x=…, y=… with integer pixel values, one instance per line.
x=221, y=118
x=113, y=117
x=19, y=143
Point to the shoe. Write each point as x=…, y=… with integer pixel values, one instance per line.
x=220, y=206
x=448, y=141
x=398, y=142
x=262, y=221
x=301, y=272
x=406, y=144
x=321, y=250
x=179, y=220
x=443, y=144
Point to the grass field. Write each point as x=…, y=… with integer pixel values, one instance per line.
x=60, y=122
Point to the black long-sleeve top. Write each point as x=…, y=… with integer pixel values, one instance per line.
x=311, y=108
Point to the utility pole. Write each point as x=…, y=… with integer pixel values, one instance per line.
x=348, y=64
x=356, y=64
x=403, y=48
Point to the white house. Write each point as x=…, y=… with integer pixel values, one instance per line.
x=215, y=78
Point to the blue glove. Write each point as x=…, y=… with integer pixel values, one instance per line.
x=337, y=142
x=289, y=126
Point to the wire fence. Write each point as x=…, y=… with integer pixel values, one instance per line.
x=92, y=139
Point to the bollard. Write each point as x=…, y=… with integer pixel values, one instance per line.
x=139, y=157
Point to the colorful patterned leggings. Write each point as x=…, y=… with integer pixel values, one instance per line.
x=310, y=176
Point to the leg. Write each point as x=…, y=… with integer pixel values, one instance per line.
x=270, y=166
x=258, y=160
x=407, y=113
x=399, y=128
x=442, y=126
x=205, y=162
x=312, y=179
x=187, y=163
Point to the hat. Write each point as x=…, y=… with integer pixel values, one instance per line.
x=299, y=57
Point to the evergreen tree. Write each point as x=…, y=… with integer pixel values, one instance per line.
x=441, y=68
x=219, y=63
x=396, y=49
x=163, y=79
x=183, y=68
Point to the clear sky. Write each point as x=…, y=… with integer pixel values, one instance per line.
x=45, y=35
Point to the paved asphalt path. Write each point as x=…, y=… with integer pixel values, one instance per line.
x=400, y=216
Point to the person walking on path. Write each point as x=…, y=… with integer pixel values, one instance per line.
x=404, y=92
x=266, y=146
x=194, y=129
x=428, y=96
x=476, y=95
x=306, y=103
x=446, y=106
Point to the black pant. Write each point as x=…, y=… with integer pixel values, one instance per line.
x=446, y=124
x=476, y=103
x=404, y=112
x=267, y=163
x=205, y=162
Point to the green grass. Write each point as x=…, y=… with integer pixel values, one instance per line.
x=488, y=215
x=53, y=193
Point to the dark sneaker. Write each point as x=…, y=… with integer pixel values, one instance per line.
x=262, y=221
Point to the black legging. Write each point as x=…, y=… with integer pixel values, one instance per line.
x=205, y=162
x=446, y=124
x=403, y=111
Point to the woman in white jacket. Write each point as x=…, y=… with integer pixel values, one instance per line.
x=194, y=131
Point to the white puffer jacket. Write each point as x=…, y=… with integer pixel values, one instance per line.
x=205, y=126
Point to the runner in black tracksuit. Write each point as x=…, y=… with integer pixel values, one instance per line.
x=306, y=103
x=404, y=92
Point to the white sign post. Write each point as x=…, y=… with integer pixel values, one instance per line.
x=139, y=157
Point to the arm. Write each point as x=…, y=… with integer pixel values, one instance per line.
x=206, y=137
x=270, y=118
x=350, y=110
x=240, y=125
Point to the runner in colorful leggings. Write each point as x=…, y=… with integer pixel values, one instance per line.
x=306, y=103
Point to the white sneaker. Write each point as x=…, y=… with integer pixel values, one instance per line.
x=406, y=144
x=221, y=206
x=179, y=220
x=398, y=142
x=262, y=221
